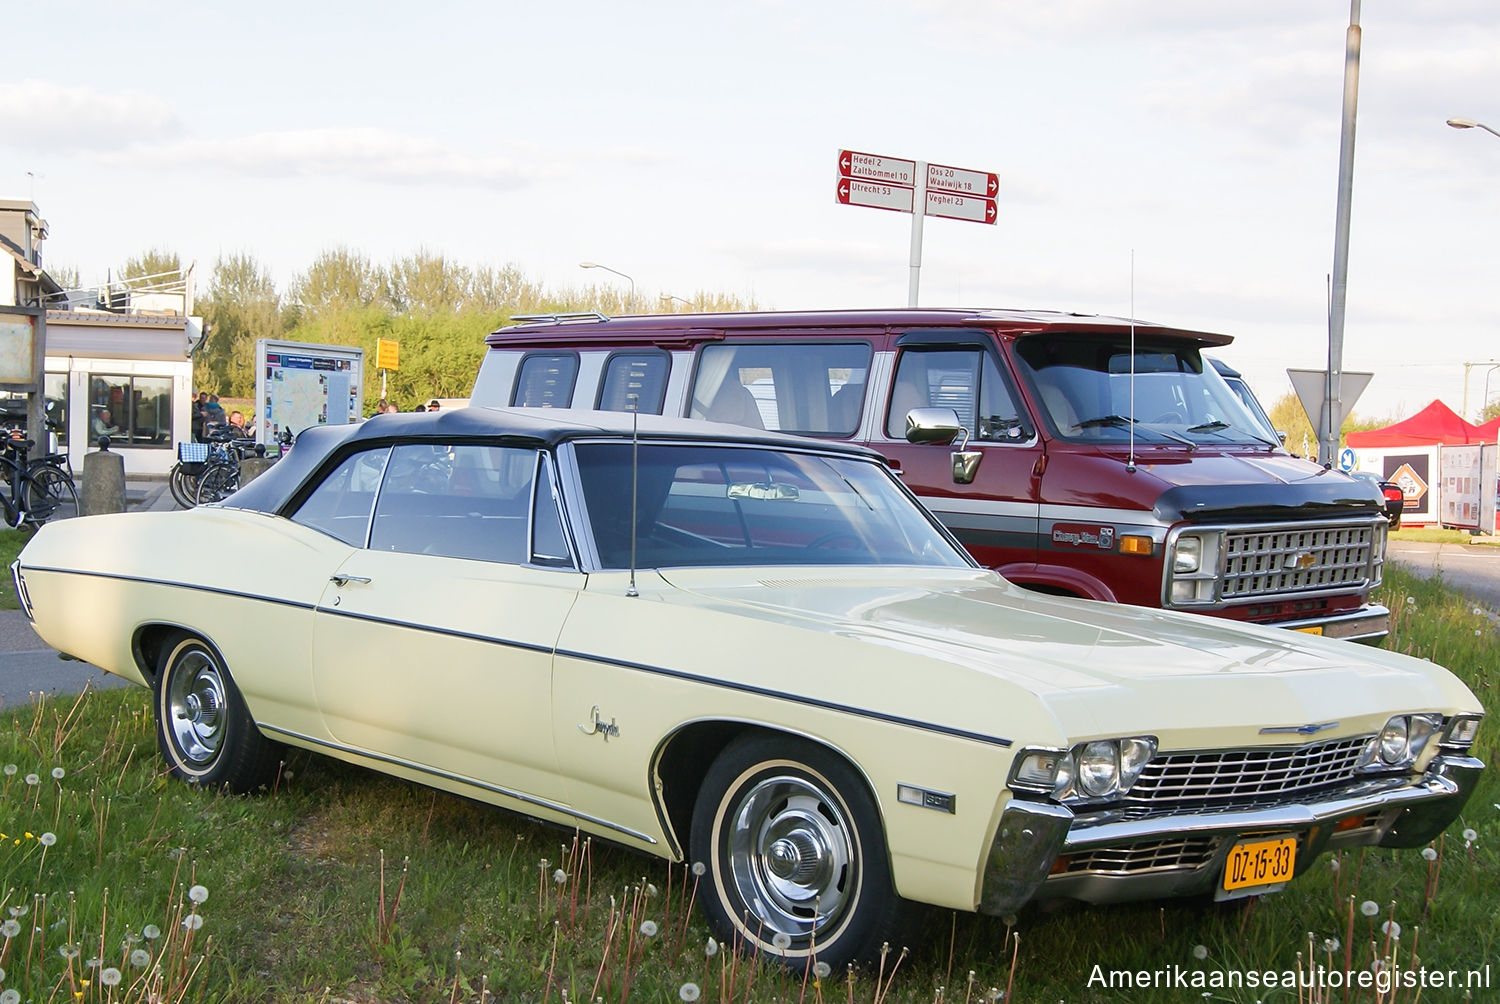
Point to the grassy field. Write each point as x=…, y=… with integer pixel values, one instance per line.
x=346, y=886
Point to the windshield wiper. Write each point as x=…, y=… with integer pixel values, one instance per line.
x=1093, y=423
x=1120, y=421
x=1213, y=426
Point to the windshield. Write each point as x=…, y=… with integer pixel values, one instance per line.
x=1087, y=393
x=722, y=505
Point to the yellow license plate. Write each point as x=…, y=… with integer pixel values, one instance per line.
x=1315, y=629
x=1260, y=862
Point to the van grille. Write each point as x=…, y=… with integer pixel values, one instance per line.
x=1215, y=775
x=1268, y=562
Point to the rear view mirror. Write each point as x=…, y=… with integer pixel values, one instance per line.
x=932, y=425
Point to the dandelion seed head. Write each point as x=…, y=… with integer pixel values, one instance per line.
x=110, y=977
x=198, y=894
x=68, y=952
x=1369, y=908
x=710, y=948
x=781, y=941
x=821, y=970
x=699, y=868
x=58, y=773
x=649, y=928
x=1470, y=835
x=1391, y=928
x=10, y=770
x=140, y=958
x=546, y=864
x=651, y=890
x=1411, y=601
x=10, y=929
x=1333, y=863
x=192, y=922
x=33, y=779
x=688, y=993
x=1200, y=951
x=560, y=876
x=11, y=996
x=47, y=839
x=94, y=963
x=151, y=932
x=1429, y=853
x=1331, y=945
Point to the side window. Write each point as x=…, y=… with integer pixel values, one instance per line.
x=340, y=506
x=456, y=501
x=546, y=380
x=966, y=380
x=635, y=381
x=811, y=389
x=549, y=543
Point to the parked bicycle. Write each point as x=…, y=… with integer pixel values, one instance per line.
x=36, y=489
x=215, y=463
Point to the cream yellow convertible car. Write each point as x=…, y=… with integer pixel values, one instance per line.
x=746, y=650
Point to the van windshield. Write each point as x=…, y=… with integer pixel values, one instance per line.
x=1086, y=392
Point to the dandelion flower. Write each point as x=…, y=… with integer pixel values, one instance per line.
x=1470, y=836
x=94, y=963
x=110, y=977
x=2, y=975
x=11, y=996
x=1200, y=952
x=699, y=868
x=1331, y=945
x=781, y=941
x=10, y=770
x=10, y=929
x=560, y=877
x=47, y=839
x=648, y=928
x=1391, y=928
x=68, y=952
x=151, y=932
x=198, y=894
x=192, y=922
x=688, y=993
x=821, y=970
x=1369, y=908
x=33, y=779
x=651, y=890
x=1333, y=863
x=20, y=911
x=710, y=948
x=58, y=773
x=1429, y=854
x=140, y=958
x=1411, y=601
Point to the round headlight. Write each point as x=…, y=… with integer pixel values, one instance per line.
x=1098, y=768
x=1063, y=780
x=1394, y=741
x=1133, y=756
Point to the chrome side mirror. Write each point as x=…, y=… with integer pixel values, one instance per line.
x=941, y=425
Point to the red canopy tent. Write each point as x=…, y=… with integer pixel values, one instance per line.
x=1435, y=425
x=1489, y=430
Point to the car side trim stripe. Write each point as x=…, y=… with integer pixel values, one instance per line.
x=459, y=778
x=429, y=629
x=147, y=580
x=782, y=695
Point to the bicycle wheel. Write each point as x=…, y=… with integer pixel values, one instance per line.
x=184, y=486
x=218, y=483
x=50, y=494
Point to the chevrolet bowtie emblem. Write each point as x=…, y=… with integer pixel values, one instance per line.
x=1301, y=561
x=1310, y=729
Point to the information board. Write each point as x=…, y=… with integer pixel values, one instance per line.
x=299, y=385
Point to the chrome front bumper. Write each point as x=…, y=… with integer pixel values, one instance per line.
x=1369, y=624
x=1038, y=842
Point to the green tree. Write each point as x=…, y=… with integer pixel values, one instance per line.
x=1489, y=411
x=339, y=278
x=242, y=306
x=427, y=283
x=156, y=261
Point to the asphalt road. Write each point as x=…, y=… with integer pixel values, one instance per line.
x=1473, y=568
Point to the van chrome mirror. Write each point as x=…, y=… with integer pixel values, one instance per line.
x=933, y=425
x=965, y=466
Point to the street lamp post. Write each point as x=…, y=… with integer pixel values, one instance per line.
x=668, y=297
x=1471, y=124
x=1485, y=403
x=622, y=275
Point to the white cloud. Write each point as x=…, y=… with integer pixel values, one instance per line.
x=42, y=114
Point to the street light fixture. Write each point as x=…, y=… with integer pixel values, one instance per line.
x=622, y=275
x=1471, y=124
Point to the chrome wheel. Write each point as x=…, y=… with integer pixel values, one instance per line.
x=791, y=855
x=196, y=707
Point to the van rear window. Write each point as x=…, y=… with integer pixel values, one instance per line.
x=546, y=380
x=635, y=381
x=810, y=389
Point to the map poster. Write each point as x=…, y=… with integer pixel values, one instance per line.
x=298, y=386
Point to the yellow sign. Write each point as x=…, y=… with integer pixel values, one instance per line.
x=387, y=354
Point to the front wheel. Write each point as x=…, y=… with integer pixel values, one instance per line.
x=219, y=482
x=51, y=495
x=796, y=858
x=204, y=730
x=184, y=486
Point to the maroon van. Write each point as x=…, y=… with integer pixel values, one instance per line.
x=1090, y=456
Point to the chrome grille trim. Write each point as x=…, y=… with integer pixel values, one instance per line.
x=1254, y=772
x=1173, y=852
x=1263, y=561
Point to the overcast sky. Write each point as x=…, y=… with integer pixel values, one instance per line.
x=693, y=146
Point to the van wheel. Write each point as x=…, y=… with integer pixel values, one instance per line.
x=204, y=731
x=796, y=859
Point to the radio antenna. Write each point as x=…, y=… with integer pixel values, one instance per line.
x=1130, y=463
x=635, y=457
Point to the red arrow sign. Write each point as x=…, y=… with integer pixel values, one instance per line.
x=863, y=193
x=962, y=180
x=962, y=207
x=877, y=167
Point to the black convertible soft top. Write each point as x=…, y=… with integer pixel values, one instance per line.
x=535, y=427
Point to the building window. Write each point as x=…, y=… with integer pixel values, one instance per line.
x=55, y=392
x=131, y=410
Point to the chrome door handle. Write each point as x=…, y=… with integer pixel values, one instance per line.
x=344, y=580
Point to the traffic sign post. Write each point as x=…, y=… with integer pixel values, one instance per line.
x=879, y=182
x=387, y=357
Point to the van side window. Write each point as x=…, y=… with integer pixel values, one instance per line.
x=966, y=380
x=546, y=380
x=806, y=388
x=635, y=381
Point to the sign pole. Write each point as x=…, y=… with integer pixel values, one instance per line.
x=918, y=207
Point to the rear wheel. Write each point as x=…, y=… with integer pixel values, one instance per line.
x=796, y=858
x=51, y=495
x=204, y=730
x=219, y=482
x=184, y=486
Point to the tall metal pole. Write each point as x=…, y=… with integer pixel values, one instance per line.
x=1328, y=448
x=918, y=211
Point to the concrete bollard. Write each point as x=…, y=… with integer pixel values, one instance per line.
x=103, y=487
x=252, y=468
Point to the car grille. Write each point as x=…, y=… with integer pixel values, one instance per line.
x=1174, y=852
x=1257, y=773
x=1271, y=561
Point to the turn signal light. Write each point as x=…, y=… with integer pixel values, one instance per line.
x=1132, y=544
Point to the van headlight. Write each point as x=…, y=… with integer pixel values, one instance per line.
x=1192, y=568
x=1091, y=771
